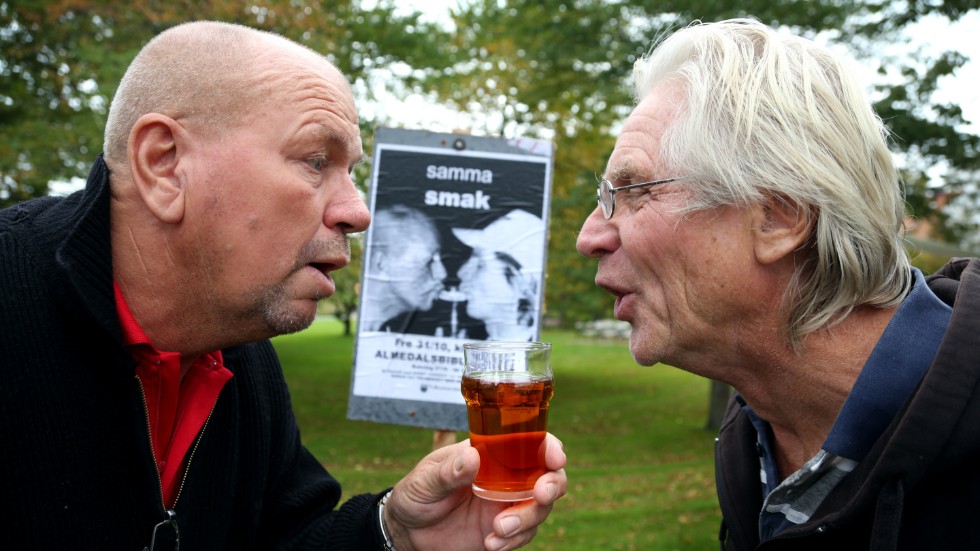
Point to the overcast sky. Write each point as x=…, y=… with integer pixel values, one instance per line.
x=936, y=35
x=933, y=35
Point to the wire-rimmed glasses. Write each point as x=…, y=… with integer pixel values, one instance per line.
x=607, y=193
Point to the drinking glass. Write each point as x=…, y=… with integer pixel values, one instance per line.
x=507, y=387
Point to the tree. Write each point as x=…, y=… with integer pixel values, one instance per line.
x=49, y=106
x=560, y=69
x=61, y=61
x=554, y=69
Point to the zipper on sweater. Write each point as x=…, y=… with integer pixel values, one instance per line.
x=149, y=434
x=170, y=514
x=156, y=467
x=190, y=457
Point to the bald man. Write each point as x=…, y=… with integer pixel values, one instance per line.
x=141, y=402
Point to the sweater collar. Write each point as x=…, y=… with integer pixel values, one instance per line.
x=86, y=252
x=898, y=362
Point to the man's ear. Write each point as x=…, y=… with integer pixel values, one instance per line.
x=780, y=228
x=153, y=156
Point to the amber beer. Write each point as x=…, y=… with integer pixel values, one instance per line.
x=507, y=403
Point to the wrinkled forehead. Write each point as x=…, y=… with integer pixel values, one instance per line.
x=637, y=154
x=291, y=71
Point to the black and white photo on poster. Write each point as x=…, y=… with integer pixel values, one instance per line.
x=455, y=252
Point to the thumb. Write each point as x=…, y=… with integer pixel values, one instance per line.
x=433, y=490
x=434, y=487
x=441, y=473
x=445, y=471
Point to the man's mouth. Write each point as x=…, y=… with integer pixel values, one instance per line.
x=616, y=292
x=326, y=256
x=324, y=267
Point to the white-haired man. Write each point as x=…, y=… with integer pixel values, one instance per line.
x=749, y=226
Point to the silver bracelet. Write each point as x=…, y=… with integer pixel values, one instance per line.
x=388, y=545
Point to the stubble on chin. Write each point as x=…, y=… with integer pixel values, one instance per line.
x=279, y=312
x=274, y=305
x=640, y=349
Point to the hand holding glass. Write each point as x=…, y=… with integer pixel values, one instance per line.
x=507, y=386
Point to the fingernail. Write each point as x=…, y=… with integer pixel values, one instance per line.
x=509, y=525
x=458, y=464
x=552, y=492
x=496, y=543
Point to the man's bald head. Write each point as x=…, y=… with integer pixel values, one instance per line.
x=205, y=73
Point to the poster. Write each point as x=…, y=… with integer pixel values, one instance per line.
x=456, y=252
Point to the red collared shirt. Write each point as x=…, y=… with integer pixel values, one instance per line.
x=177, y=408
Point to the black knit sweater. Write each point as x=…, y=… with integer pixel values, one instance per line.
x=76, y=466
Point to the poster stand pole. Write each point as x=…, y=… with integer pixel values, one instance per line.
x=443, y=438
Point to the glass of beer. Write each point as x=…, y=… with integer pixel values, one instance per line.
x=507, y=386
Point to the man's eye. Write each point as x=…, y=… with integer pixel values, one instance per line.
x=634, y=196
x=317, y=163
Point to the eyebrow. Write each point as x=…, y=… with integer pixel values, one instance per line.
x=625, y=171
x=329, y=136
x=323, y=132
x=508, y=259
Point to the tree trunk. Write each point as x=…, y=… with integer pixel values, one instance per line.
x=346, y=318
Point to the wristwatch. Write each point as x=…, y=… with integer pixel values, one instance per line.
x=388, y=544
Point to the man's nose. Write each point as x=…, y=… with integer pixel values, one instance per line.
x=439, y=270
x=596, y=236
x=347, y=210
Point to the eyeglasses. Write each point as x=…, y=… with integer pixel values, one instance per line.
x=607, y=193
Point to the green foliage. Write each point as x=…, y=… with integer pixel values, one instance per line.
x=640, y=464
x=550, y=69
x=925, y=129
x=928, y=262
x=47, y=112
x=558, y=69
x=62, y=60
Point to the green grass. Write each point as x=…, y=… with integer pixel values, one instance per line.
x=639, y=458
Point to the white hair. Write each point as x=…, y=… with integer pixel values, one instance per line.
x=770, y=115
